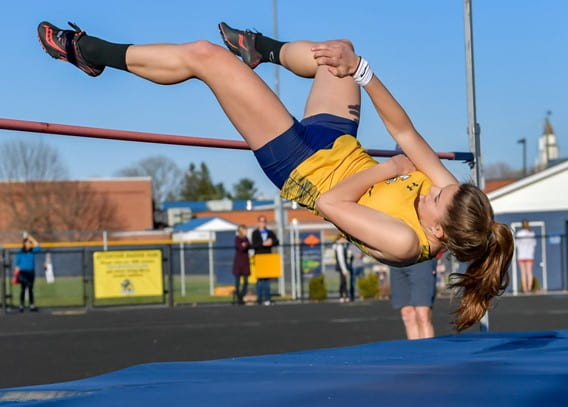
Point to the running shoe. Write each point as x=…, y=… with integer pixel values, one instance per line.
x=62, y=44
x=241, y=43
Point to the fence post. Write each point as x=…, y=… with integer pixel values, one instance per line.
x=211, y=265
x=3, y=281
x=293, y=260
x=182, y=267
x=169, y=269
x=88, y=300
x=300, y=258
x=563, y=268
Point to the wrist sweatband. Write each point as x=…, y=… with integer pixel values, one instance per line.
x=363, y=74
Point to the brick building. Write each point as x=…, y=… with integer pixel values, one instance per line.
x=53, y=209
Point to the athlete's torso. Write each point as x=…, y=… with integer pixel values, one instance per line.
x=395, y=197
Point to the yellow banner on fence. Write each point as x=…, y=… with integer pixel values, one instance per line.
x=128, y=273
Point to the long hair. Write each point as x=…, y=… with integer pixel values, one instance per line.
x=473, y=236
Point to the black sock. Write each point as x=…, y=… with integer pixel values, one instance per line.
x=98, y=52
x=269, y=48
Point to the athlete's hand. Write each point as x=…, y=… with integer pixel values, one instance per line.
x=338, y=55
x=402, y=164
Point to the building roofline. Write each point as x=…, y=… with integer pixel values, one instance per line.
x=93, y=179
x=531, y=179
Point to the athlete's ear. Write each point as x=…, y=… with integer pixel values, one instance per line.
x=438, y=231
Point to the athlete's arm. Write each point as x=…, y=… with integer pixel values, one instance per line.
x=389, y=239
x=402, y=130
x=342, y=61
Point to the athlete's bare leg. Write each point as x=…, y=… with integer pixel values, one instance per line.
x=250, y=104
x=329, y=94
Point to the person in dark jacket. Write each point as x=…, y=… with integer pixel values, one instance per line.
x=241, y=264
x=263, y=240
x=25, y=270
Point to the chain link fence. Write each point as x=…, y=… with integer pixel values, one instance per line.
x=199, y=272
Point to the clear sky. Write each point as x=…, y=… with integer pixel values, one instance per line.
x=416, y=47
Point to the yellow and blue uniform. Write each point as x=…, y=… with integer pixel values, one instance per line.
x=316, y=154
x=327, y=167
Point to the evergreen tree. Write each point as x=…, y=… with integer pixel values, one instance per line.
x=244, y=189
x=198, y=186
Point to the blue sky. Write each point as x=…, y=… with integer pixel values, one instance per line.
x=416, y=47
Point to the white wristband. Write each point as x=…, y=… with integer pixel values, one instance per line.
x=363, y=74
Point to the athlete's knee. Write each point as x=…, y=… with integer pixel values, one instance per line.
x=348, y=43
x=200, y=53
x=203, y=50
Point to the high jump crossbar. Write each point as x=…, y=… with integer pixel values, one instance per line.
x=138, y=136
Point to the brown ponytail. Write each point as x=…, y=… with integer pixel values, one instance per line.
x=472, y=235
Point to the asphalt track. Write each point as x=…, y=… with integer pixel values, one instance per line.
x=61, y=345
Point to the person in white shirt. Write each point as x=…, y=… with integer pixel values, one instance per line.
x=526, y=244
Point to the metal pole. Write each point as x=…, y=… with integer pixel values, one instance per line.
x=523, y=141
x=293, y=259
x=299, y=276
x=279, y=206
x=182, y=267
x=473, y=129
x=275, y=36
x=170, y=269
x=3, y=280
x=279, y=219
x=211, y=265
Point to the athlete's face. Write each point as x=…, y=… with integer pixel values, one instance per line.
x=432, y=207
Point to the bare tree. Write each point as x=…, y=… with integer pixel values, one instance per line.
x=166, y=176
x=35, y=197
x=501, y=170
x=22, y=160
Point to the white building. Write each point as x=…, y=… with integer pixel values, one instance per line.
x=542, y=199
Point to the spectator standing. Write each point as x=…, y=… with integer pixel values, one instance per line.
x=25, y=270
x=241, y=264
x=413, y=290
x=263, y=240
x=344, y=265
x=526, y=244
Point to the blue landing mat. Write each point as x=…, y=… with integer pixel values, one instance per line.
x=495, y=369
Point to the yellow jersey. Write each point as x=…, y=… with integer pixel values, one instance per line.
x=327, y=167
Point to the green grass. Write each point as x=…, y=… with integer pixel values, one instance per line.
x=69, y=292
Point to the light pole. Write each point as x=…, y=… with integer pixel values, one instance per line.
x=523, y=141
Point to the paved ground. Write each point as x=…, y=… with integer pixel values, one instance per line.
x=54, y=345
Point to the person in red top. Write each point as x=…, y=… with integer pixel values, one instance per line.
x=241, y=264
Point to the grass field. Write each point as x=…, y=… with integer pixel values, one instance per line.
x=71, y=292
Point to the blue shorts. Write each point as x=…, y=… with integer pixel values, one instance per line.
x=414, y=285
x=280, y=156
